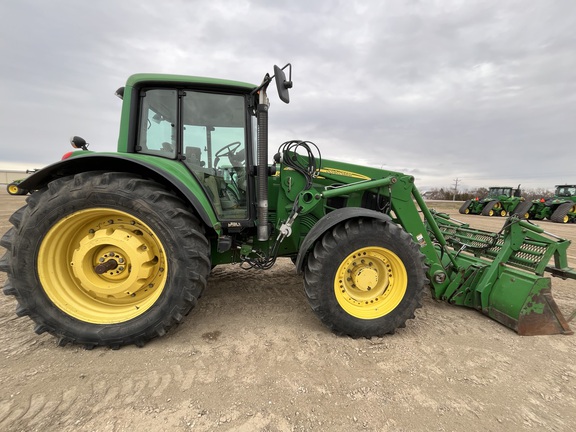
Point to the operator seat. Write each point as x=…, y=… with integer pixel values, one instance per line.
x=194, y=161
x=193, y=155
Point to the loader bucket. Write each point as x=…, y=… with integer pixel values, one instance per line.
x=541, y=316
x=501, y=274
x=529, y=313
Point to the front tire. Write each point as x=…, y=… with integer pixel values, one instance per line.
x=365, y=278
x=464, y=208
x=105, y=259
x=491, y=208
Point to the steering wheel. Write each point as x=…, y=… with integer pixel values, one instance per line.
x=228, y=150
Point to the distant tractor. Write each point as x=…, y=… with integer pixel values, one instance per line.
x=14, y=188
x=500, y=201
x=561, y=208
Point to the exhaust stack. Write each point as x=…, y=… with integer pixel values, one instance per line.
x=262, y=168
x=262, y=151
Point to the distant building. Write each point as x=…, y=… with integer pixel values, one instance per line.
x=427, y=194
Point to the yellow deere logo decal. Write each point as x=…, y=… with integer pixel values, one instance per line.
x=343, y=173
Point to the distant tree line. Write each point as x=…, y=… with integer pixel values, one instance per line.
x=448, y=194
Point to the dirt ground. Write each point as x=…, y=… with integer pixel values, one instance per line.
x=253, y=357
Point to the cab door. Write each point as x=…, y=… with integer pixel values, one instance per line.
x=214, y=135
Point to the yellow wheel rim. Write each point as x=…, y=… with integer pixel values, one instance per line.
x=13, y=189
x=467, y=211
x=503, y=213
x=370, y=283
x=102, y=266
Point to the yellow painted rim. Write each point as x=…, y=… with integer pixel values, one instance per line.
x=467, y=211
x=13, y=189
x=503, y=213
x=102, y=266
x=370, y=283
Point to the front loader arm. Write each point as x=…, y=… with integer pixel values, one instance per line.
x=498, y=274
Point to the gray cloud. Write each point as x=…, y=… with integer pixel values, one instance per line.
x=480, y=91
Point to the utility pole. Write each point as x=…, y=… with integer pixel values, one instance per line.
x=456, y=180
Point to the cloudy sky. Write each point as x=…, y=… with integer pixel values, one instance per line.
x=479, y=91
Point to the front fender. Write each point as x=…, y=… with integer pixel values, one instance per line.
x=330, y=220
x=179, y=180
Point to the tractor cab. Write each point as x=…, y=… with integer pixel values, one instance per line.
x=497, y=192
x=209, y=133
x=566, y=191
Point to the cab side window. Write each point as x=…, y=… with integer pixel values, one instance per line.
x=158, y=134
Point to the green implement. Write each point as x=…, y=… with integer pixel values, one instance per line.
x=501, y=274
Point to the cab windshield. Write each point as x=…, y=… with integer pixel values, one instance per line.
x=495, y=192
x=566, y=191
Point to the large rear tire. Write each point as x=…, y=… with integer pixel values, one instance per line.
x=105, y=259
x=365, y=278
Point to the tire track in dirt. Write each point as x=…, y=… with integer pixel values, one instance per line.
x=190, y=366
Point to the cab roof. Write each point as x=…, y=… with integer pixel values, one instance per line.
x=149, y=78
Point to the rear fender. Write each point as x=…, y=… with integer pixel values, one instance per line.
x=330, y=220
x=119, y=163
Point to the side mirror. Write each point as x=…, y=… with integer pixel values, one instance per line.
x=78, y=143
x=281, y=84
x=120, y=93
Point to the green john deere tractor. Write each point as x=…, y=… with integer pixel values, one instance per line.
x=500, y=201
x=14, y=187
x=561, y=208
x=116, y=248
